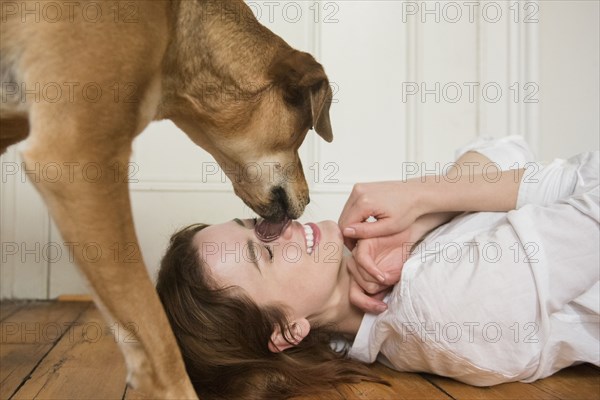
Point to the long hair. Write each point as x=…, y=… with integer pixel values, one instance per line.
x=223, y=336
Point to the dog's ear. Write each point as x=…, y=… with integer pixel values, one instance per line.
x=299, y=73
x=320, y=101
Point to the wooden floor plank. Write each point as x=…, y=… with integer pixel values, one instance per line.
x=505, y=391
x=27, y=334
x=580, y=382
x=16, y=363
x=40, y=322
x=9, y=307
x=85, y=364
x=403, y=386
x=332, y=394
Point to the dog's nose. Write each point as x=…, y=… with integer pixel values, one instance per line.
x=280, y=200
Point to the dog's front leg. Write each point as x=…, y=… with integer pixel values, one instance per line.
x=90, y=203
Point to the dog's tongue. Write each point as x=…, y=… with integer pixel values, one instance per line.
x=269, y=231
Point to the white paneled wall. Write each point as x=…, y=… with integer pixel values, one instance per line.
x=411, y=81
x=569, y=61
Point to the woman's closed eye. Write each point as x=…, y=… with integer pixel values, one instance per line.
x=270, y=252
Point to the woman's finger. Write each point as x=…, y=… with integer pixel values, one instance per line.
x=365, y=230
x=365, y=261
x=350, y=243
x=365, y=302
x=347, y=215
x=364, y=280
x=353, y=216
x=357, y=207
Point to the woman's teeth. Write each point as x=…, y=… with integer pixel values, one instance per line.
x=308, y=233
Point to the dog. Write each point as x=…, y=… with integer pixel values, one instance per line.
x=81, y=79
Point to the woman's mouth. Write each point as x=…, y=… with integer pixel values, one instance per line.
x=312, y=235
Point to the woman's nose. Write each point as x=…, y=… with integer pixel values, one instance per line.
x=288, y=232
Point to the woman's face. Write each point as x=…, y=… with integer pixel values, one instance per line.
x=283, y=271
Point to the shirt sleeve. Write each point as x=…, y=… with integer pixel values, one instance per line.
x=509, y=152
x=568, y=180
x=558, y=212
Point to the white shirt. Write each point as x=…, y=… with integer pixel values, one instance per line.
x=494, y=297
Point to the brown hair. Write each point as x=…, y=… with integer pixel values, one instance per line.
x=223, y=336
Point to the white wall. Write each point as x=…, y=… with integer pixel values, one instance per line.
x=542, y=56
x=569, y=77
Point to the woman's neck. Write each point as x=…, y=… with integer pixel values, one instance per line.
x=340, y=312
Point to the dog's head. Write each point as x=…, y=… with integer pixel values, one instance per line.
x=255, y=136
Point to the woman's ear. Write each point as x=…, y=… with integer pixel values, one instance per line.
x=296, y=332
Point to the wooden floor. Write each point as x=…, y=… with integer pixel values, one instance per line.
x=64, y=350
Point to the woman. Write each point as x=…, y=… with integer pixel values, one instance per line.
x=489, y=297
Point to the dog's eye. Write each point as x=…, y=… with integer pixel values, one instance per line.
x=294, y=96
x=255, y=220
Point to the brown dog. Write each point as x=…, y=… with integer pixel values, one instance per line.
x=82, y=79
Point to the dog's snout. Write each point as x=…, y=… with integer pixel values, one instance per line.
x=280, y=198
x=282, y=206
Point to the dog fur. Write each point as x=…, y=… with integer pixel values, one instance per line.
x=238, y=90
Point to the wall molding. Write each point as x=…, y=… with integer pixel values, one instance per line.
x=198, y=187
x=509, y=52
x=413, y=35
x=8, y=204
x=524, y=69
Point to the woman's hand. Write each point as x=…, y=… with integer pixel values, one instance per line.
x=397, y=205
x=377, y=262
x=371, y=258
x=394, y=204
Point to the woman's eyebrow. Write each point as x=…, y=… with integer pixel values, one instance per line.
x=239, y=222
